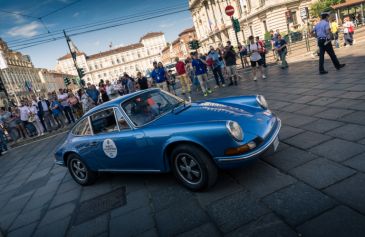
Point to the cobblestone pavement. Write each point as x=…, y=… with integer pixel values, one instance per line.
x=313, y=186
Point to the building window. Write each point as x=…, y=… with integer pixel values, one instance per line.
x=294, y=17
x=265, y=26
x=118, y=61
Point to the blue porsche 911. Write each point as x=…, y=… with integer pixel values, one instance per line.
x=154, y=131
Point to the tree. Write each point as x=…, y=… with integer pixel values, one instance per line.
x=322, y=6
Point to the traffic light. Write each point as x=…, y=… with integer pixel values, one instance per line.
x=194, y=44
x=74, y=81
x=66, y=80
x=81, y=72
x=82, y=82
x=236, y=25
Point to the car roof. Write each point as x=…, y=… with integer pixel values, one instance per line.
x=117, y=101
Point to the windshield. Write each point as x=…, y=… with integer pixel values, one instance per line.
x=146, y=107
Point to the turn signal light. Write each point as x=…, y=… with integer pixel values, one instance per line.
x=241, y=149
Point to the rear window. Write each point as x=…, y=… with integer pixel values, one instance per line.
x=82, y=128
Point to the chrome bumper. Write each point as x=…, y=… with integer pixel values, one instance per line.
x=259, y=150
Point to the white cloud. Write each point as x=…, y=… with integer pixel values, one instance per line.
x=27, y=30
x=76, y=14
x=18, y=18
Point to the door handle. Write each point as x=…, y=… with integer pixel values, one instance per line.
x=93, y=144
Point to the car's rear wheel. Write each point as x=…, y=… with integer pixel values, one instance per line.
x=79, y=171
x=193, y=167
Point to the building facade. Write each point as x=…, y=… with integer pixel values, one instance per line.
x=179, y=47
x=111, y=64
x=53, y=81
x=256, y=17
x=18, y=77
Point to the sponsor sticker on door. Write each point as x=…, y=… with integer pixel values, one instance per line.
x=109, y=148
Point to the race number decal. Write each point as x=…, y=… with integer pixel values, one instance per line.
x=109, y=148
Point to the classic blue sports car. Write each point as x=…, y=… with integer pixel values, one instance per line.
x=154, y=131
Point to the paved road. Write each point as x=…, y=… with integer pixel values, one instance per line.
x=314, y=185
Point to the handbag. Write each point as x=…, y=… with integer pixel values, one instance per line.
x=31, y=118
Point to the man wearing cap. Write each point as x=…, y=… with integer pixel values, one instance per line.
x=322, y=31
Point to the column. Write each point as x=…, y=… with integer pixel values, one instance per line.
x=206, y=13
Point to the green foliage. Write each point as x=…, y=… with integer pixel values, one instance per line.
x=320, y=6
x=267, y=36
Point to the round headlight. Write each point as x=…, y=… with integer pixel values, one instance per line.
x=262, y=101
x=235, y=130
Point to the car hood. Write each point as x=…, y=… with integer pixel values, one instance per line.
x=253, y=120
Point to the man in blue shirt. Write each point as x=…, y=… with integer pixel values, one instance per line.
x=280, y=47
x=201, y=73
x=216, y=67
x=322, y=31
x=158, y=75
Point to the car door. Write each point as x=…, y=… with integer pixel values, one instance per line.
x=119, y=146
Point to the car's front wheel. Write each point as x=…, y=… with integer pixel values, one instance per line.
x=193, y=167
x=79, y=171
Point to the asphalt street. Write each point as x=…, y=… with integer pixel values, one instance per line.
x=313, y=186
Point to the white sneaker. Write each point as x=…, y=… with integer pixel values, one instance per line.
x=4, y=152
x=255, y=78
x=263, y=77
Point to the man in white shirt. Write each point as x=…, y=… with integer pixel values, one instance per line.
x=63, y=97
x=255, y=57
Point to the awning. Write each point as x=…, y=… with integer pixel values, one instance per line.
x=348, y=3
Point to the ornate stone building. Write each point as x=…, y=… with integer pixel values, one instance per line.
x=18, y=77
x=179, y=47
x=255, y=16
x=111, y=64
x=53, y=81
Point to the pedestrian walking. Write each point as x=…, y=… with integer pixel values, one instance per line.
x=201, y=73
x=348, y=31
x=262, y=50
x=102, y=90
x=158, y=75
x=334, y=33
x=213, y=56
x=281, y=47
x=182, y=75
x=230, y=59
x=243, y=53
x=322, y=31
x=255, y=57
x=65, y=106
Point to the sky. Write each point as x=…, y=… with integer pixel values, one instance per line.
x=19, y=28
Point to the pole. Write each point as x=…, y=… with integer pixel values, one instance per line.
x=235, y=32
x=73, y=58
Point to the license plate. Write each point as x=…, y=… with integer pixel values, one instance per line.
x=276, y=143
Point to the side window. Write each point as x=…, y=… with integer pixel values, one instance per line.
x=82, y=129
x=104, y=121
x=123, y=125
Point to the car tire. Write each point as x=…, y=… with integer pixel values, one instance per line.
x=193, y=167
x=79, y=171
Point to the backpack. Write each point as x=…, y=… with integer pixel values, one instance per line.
x=249, y=48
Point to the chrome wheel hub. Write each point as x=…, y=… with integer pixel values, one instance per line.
x=79, y=169
x=188, y=168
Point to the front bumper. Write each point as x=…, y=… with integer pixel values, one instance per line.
x=235, y=161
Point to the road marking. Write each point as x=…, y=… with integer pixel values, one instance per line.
x=39, y=140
